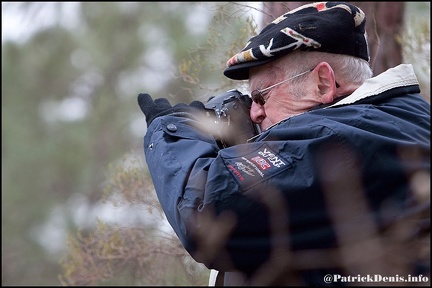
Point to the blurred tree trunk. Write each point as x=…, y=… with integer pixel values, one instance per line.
x=385, y=21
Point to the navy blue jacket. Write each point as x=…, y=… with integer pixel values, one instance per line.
x=329, y=177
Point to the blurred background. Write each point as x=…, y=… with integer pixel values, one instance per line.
x=78, y=206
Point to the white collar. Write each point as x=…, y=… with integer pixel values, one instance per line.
x=399, y=76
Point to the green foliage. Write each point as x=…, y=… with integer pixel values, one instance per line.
x=113, y=255
x=229, y=29
x=416, y=43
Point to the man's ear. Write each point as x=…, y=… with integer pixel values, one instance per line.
x=325, y=82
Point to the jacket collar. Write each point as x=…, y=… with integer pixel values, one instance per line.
x=399, y=76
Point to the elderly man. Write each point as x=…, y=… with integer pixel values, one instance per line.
x=331, y=190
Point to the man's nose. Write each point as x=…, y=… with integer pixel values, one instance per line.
x=257, y=113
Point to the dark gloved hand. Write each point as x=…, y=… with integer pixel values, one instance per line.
x=159, y=107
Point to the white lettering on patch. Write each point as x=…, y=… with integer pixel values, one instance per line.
x=276, y=161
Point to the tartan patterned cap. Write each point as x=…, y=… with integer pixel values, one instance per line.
x=332, y=27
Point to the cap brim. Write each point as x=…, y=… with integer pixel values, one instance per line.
x=241, y=71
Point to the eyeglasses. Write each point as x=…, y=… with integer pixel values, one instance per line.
x=257, y=95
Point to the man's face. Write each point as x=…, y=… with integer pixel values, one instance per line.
x=276, y=99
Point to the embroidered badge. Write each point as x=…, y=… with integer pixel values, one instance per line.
x=257, y=166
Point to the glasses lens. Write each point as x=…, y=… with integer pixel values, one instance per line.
x=257, y=97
